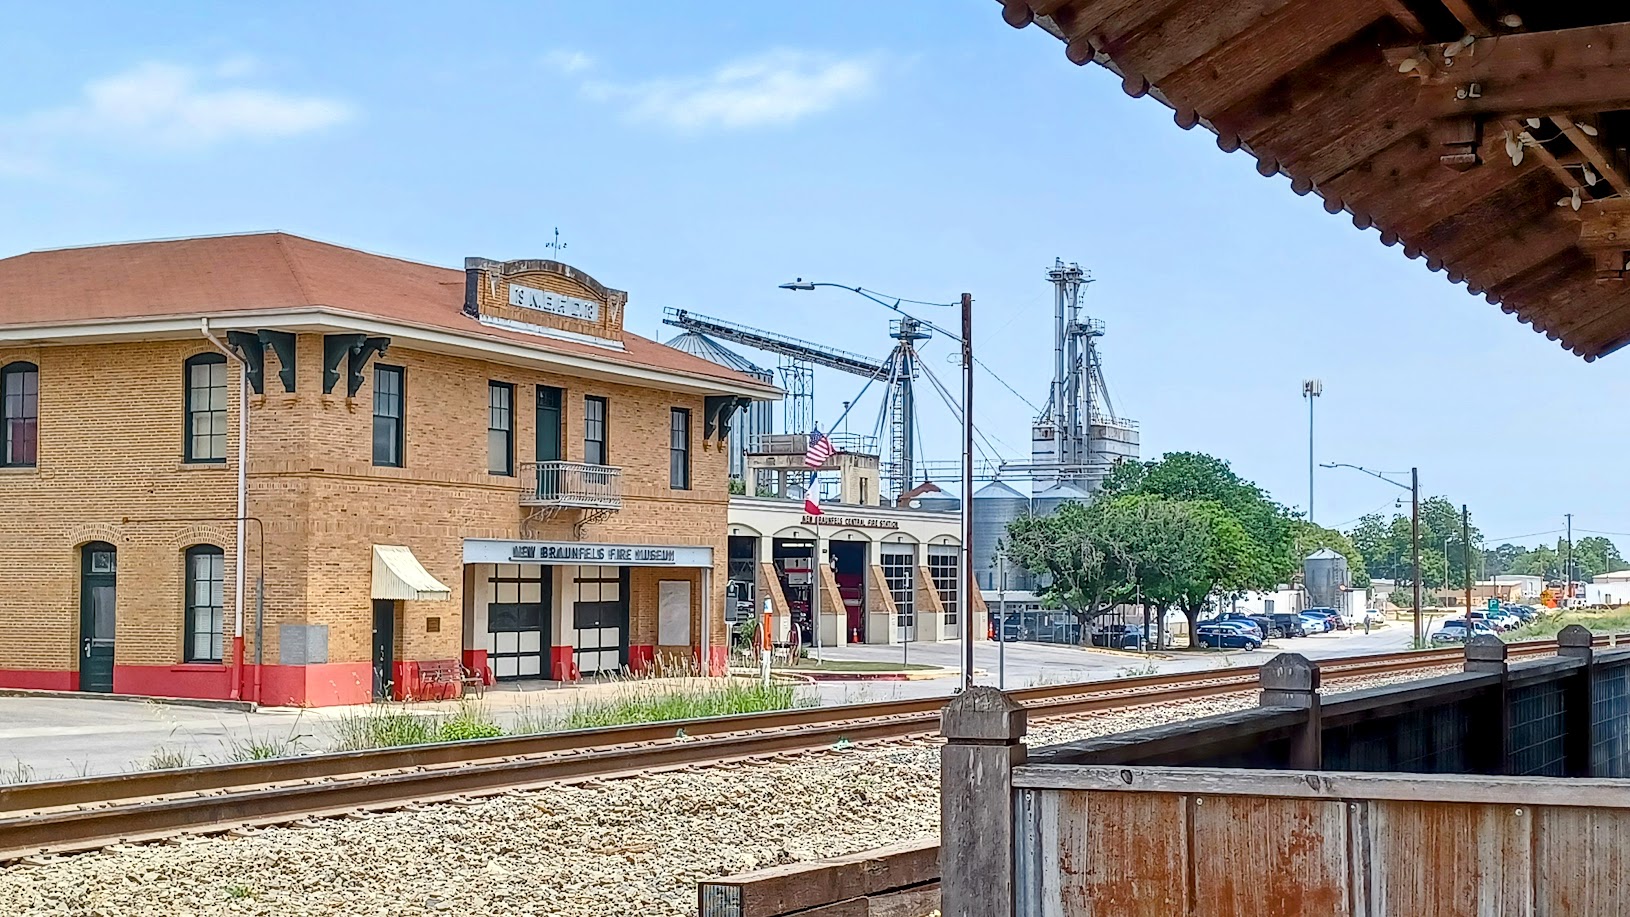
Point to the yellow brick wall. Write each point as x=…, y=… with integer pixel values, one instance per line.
x=110, y=450
x=109, y=462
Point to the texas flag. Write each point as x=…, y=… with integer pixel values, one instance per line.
x=811, y=508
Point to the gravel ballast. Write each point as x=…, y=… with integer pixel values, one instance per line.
x=634, y=846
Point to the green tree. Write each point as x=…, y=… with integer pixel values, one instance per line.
x=1075, y=550
x=1167, y=547
x=1500, y=560
x=1196, y=477
x=1540, y=561
x=1231, y=562
x=1594, y=556
x=1385, y=545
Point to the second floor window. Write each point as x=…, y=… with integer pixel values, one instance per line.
x=20, y=413
x=205, y=436
x=500, y=428
x=594, y=430
x=679, y=449
x=388, y=409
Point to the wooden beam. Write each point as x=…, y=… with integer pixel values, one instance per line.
x=1468, y=19
x=1587, y=147
x=1188, y=31
x=1403, y=16
x=1526, y=73
x=1253, y=59
x=1548, y=159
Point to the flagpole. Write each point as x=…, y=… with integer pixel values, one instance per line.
x=815, y=590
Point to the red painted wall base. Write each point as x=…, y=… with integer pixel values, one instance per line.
x=324, y=685
x=562, y=665
x=39, y=679
x=187, y=680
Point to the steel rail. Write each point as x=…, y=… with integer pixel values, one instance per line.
x=83, y=814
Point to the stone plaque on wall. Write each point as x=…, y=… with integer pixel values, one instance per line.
x=302, y=644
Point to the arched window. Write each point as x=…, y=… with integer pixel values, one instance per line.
x=206, y=603
x=20, y=414
x=204, y=439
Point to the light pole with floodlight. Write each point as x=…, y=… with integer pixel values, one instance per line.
x=965, y=572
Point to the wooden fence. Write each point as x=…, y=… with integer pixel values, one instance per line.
x=1496, y=791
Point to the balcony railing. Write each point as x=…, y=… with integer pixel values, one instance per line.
x=572, y=485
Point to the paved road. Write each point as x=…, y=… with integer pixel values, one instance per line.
x=1029, y=664
x=42, y=738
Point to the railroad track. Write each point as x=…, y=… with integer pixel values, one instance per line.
x=67, y=816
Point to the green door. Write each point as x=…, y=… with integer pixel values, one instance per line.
x=546, y=480
x=549, y=399
x=97, y=569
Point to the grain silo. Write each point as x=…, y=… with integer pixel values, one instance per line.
x=995, y=506
x=1327, y=578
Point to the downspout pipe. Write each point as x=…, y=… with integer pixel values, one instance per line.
x=243, y=508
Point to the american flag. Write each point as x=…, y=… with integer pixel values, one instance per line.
x=820, y=449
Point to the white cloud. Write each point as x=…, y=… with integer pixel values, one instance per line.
x=568, y=62
x=778, y=87
x=171, y=106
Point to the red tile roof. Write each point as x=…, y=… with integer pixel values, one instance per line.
x=219, y=275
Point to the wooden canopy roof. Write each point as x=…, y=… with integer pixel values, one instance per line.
x=1486, y=136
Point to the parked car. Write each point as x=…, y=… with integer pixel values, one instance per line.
x=1217, y=636
x=1288, y=625
x=1243, y=626
x=1118, y=636
x=1337, y=622
x=1264, y=623
x=1372, y=615
x=1454, y=631
x=1316, y=624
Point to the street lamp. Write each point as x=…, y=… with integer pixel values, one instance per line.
x=1414, y=488
x=965, y=572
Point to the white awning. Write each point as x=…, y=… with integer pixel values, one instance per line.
x=399, y=575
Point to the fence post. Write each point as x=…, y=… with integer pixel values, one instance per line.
x=984, y=731
x=1488, y=725
x=1291, y=680
x=1578, y=699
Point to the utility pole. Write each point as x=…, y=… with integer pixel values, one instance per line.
x=1567, y=596
x=1415, y=542
x=1466, y=549
x=965, y=574
x=1311, y=389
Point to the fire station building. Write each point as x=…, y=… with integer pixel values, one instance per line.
x=265, y=467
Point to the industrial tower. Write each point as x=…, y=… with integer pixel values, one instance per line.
x=898, y=372
x=1078, y=438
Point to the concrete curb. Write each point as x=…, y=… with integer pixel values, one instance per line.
x=240, y=706
x=812, y=677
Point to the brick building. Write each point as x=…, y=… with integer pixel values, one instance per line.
x=443, y=470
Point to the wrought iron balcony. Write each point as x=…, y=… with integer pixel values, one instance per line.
x=572, y=485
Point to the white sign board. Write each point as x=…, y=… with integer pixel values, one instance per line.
x=497, y=551
x=673, y=613
x=554, y=303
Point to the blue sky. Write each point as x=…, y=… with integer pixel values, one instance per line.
x=697, y=155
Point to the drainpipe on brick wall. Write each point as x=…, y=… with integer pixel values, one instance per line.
x=243, y=510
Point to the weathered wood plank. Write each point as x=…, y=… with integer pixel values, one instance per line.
x=910, y=902
x=794, y=887
x=1269, y=857
x=1470, y=788
x=1582, y=862
x=1439, y=858
x=1118, y=855
x=1274, y=45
